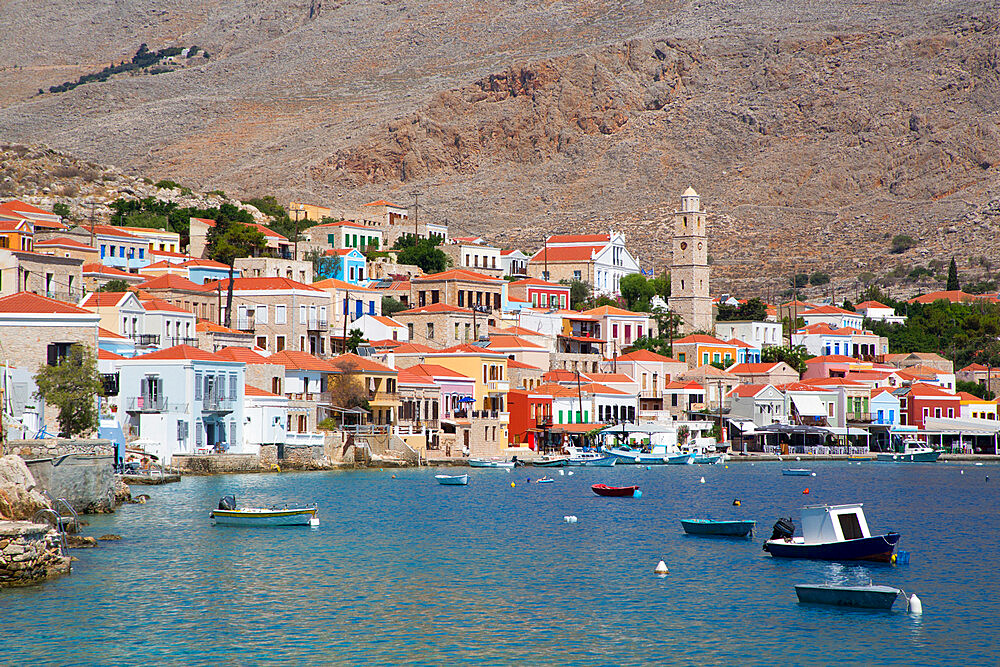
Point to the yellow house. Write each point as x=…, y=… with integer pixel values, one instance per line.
x=379, y=383
x=487, y=368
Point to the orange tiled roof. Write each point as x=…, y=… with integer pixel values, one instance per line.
x=160, y=304
x=414, y=348
x=435, y=308
x=66, y=242
x=106, y=355
x=827, y=310
x=504, y=341
x=182, y=352
x=173, y=281
x=103, y=299
x=107, y=333
x=458, y=274
x=436, y=370
x=604, y=311
x=409, y=376
x=579, y=238
x=752, y=369
x=702, y=338
x=748, y=390
x=347, y=363
x=300, y=361
x=260, y=284
x=244, y=354
x=250, y=390
x=101, y=269
x=566, y=254
x=514, y=363
x=646, y=355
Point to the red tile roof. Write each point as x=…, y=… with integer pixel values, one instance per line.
x=205, y=325
x=604, y=378
x=300, y=361
x=748, y=390
x=387, y=321
x=865, y=305
x=103, y=299
x=106, y=333
x=833, y=382
x=954, y=296
x=566, y=254
x=703, y=339
x=831, y=358
x=182, y=352
x=414, y=348
x=349, y=363
x=18, y=206
x=101, y=269
x=930, y=391
x=105, y=355
x=160, y=304
x=246, y=355
x=65, y=242
x=539, y=282
x=260, y=284
x=409, y=376
x=752, y=369
x=514, y=331
x=514, y=363
x=468, y=348
x=250, y=390
x=503, y=341
x=604, y=311
x=827, y=310
x=646, y=355
x=436, y=370
x=173, y=281
x=458, y=274
x=340, y=284
x=382, y=202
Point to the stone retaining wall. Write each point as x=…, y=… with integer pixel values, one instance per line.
x=214, y=464
x=56, y=447
x=85, y=481
x=29, y=553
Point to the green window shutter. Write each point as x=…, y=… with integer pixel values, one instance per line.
x=560, y=416
x=331, y=239
x=586, y=416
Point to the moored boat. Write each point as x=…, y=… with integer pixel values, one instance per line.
x=551, y=462
x=914, y=451
x=545, y=480
x=866, y=597
x=831, y=532
x=228, y=514
x=581, y=457
x=452, y=480
x=490, y=463
x=707, y=459
x=614, y=491
x=797, y=472
x=720, y=528
x=635, y=457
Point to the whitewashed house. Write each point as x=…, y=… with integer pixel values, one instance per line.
x=186, y=400
x=757, y=334
x=873, y=310
x=265, y=419
x=380, y=327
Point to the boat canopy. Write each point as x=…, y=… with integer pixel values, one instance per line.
x=632, y=427
x=833, y=523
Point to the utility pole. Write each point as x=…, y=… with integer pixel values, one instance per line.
x=545, y=254
x=295, y=252
x=416, y=214
x=91, y=205
x=347, y=305
x=579, y=395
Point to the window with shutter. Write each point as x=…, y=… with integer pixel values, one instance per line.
x=262, y=314
x=232, y=433
x=303, y=314
x=197, y=386
x=198, y=433
x=232, y=385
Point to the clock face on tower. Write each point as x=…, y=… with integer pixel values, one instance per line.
x=684, y=245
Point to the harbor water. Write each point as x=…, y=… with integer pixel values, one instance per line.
x=403, y=570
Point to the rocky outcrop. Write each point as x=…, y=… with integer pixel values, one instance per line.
x=29, y=553
x=19, y=498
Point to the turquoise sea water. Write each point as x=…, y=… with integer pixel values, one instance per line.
x=405, y=571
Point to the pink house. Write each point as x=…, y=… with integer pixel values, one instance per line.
x=828, y=365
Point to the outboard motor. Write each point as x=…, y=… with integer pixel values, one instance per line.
x=783, y=529
x=227, y=503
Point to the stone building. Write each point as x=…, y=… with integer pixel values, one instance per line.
x=54, y=276
x=689, y=275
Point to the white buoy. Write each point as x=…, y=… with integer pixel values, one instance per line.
x=798, y=458
x=570, y=472
x=569, y=519
x=914, y=605
x=702, y=480
x=961, y=472
x=814, y=474
x=561, y=472
x=979, y=464
x=661, y=568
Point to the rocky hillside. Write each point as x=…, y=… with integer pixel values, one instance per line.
x=814, y=131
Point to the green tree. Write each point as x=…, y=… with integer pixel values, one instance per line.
x=424, y=253
x=116, y=285
x=953, y=284
x=976, y=389
x=794, y=357
x=72, y=387
x=61, y=209
x=819, y=278
x=391, y=306
x=354, y=338
x=754, y=309
x=637, y=291
x=901, y=243
x=799, y=280
x=227, y=241
x=146, y=219
x=579, y=293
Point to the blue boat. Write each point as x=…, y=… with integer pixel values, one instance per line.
x=719, y=528
x=635, y=457
x=831, y=532
x=797, y=472
x=865, y=597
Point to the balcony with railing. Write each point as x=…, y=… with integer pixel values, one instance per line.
x=317, y=324
x=146, y=404
x=215, y=403
x=170, y=341
x=498, y=386
x=246, y=323
x=860, y=417
x=147, y=340
x=545, y=421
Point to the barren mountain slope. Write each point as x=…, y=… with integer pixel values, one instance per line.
x=814, y=131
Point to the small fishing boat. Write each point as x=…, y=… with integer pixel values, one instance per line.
x=914, y=451
x=614, y=491
x=582, y=457
x=228, y=514
x=867, y=597
x=452, y=480
x=721, y=528
x=545, y=480
x=551, y=462
x=797, y=472
x=707, y=459
x=635, y=457
x=490, y=463
x=831, y=532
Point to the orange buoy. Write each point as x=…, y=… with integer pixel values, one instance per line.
x=806, y=491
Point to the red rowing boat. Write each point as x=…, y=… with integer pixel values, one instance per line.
x=614, y=491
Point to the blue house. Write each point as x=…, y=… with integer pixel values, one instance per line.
x=350, y=268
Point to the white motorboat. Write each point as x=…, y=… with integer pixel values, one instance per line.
x=228, y=514
x=490, y=463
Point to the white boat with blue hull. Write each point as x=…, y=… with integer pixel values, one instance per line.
x=863, y=597
x=590, y=458
x=452, y=480
x=228, y=514
x=636, y=457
